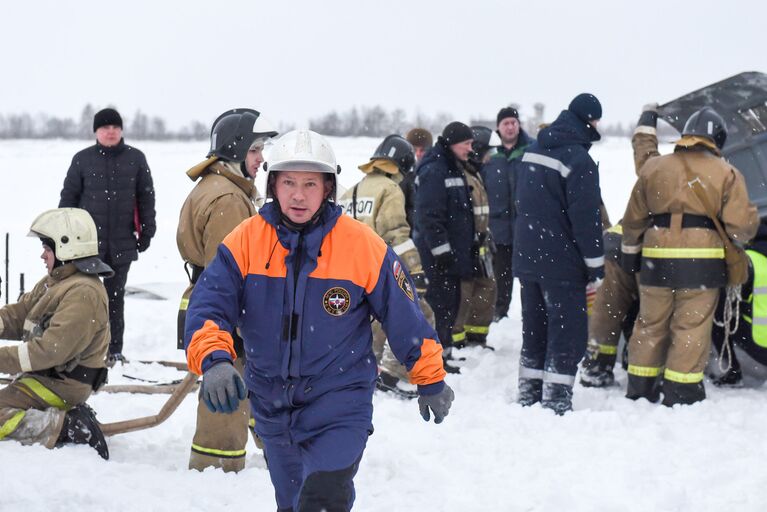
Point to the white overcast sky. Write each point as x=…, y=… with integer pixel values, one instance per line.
x=293, y=60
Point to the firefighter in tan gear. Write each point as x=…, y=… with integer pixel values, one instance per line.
x=478, y=294
x=682, y=257
x=63, y=324
x=224, y=196
x=378, y=201
x=617, y=300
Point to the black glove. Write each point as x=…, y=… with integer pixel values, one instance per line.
x=420, y=282
x=222, y=388
x=596, y=274
x=439, y=404
x=649, y=115
x=142, y=244
x=444, y=261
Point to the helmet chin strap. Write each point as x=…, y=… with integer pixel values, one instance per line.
x=299, y=227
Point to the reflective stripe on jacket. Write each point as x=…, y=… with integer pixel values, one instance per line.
x=677, y=256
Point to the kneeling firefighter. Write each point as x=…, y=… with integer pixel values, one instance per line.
x=63, y=324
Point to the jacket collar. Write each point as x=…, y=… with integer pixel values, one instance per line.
x=60, y=273
x=231, y=171
x=111, y=150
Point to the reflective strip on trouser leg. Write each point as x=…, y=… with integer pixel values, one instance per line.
x=227, y=454
x=558, y=378
x=457, y=337
x=608, y=350
x=11, y=424
x=477, y=329
x=530, y=373
x=643, y=371
x=35, y=389
x=683, y=378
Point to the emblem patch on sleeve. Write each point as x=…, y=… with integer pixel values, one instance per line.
x=402, y=281
x=336, y=301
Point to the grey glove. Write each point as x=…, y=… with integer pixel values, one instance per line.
x=439, y=404
x=222, y=388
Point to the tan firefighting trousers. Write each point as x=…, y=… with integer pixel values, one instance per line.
x=673, y=331
x=32, y=412
x=475, y=312
x=614, y=299
x=386, y=359
x=219, y=439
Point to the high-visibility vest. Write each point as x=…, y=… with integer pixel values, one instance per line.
x=758, y=299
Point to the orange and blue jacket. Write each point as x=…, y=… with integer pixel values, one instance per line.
x=302, y=302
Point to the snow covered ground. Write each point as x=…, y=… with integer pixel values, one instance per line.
x=490, y=454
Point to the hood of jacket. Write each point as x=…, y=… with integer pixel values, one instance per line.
x=567, y=130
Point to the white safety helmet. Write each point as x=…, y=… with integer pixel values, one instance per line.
x=71, y=229
x=302, y=150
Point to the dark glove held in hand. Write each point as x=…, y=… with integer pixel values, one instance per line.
x=420, y=281
x=142, y=244
x=444, y=261
x=222, y=388
x=439, y=404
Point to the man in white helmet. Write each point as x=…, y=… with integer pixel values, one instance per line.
x=300, y=282
x=64, y=326
x=224, y=196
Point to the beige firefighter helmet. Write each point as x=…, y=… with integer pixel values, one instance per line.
x=71, y=229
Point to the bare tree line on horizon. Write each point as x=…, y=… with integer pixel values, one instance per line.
x=373, y=121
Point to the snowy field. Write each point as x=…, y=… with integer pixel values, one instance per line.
x=610, y=454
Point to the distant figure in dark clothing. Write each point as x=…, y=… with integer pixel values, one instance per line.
x=498, y=174
x=112, y=181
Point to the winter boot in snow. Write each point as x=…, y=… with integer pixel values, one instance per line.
x=530, y=391
x=733, y=378
x=81, y=427
x=594, y=374
x=557, y=397
x=388, y=383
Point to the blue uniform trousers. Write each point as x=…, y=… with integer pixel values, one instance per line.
x=554, y=330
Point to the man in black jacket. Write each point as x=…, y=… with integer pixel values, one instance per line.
x=112, y=181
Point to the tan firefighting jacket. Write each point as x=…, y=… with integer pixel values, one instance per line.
x=63, y=322
x=222, y=199
x=479, y=201
x=378, y=201
x=667, y=225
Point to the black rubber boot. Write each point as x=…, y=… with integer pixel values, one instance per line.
x=595, y=373
x=733, y=378
x=557, y=397
x=80, y=427
x=643, y=387
x=682, y=393
x=530, y=392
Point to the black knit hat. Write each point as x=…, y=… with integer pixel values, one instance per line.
x=456, y=132
x=107, y=117
x=586, y=106
x=504, y=113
